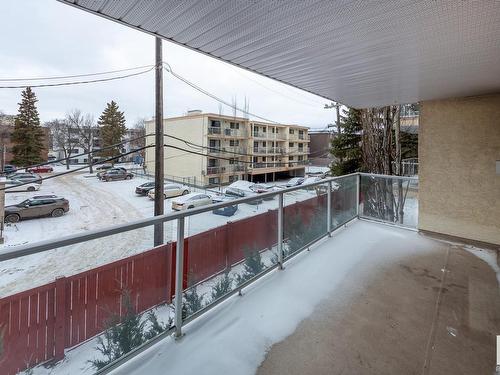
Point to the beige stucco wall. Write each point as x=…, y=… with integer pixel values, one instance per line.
x=180, y=163
x=459, y=190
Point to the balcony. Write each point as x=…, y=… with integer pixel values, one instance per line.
x=213, y=130
x=385, y=295
x=215, y=170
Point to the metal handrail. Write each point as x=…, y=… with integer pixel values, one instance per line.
x=38, y=247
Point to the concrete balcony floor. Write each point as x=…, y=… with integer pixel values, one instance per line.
x=371, y=300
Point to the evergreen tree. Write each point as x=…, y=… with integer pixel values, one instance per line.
x=27, y=135
x=252, y=267
x=346, y=146
x=112, y=124
x=192, y=302
x=222, y=287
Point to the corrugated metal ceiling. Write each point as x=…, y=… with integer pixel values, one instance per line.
x=361, y=53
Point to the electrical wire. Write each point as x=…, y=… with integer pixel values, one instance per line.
x=75, y=75
x=168, y=68
x=87, y=153
x=79, y=168
x=78, y=82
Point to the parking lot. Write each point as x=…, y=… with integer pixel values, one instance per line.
x=96, y=204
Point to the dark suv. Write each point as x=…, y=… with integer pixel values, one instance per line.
x=38, y=206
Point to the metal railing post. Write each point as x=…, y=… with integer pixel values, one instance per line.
x=329, y=209
x=280, y=231
x=179, y=276
x=358, y=183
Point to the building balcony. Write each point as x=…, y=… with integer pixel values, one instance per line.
x=365, y=284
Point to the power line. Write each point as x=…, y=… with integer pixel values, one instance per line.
x=75, y=75
x=87, y=153
x=205, y=92
x=278, y=92
x=79, y=168
x=78, y=82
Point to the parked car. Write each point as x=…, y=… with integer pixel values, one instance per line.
x=8, y=168
x=104, y=167
x=36, y=207
x=240, y=188
x=295, y=181
x=191, y=200
x=16, y=185
x=26, y=177
x=145, y=188
x=170, y=191
x=117, y=175
x=226, y=211
x=41, y=169
x=101, y=174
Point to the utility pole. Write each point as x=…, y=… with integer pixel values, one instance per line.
x=159, y=201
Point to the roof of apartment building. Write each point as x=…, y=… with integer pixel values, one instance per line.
x=196, y=113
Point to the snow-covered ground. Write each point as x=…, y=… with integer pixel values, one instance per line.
x=95, y=204
x=234, y=336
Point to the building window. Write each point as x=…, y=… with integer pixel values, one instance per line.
x=234, y=142
x=233, y=178
x=301, y=158
x=212, y=162
x=301, y=132
x=255, y=159
x=290, y=144
x=255, y=144
x=291, y=131
x=290, y=158
x=213, y=143
x=263, y=144
x=215, y=123
x=273, y=130
x=213, y=180
x=301, y=146
x=263, y=158
x=232, y=161
x=74, y=151
x=234, y=125
x=264, y=129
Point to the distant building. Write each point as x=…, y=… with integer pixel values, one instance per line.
x=224, y=149
x=6, y=144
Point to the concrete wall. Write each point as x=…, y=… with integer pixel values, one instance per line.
x=459, y=143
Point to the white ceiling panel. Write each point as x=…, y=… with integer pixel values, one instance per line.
x=361, y=53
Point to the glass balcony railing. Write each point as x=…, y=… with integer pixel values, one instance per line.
x=391, y=199
x=148, y=278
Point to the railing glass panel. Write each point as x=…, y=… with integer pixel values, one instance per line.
x=389, y=199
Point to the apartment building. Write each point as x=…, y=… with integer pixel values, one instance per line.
x=223, y=149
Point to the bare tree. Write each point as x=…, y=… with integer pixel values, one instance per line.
x=64, y=137
x=87, y=130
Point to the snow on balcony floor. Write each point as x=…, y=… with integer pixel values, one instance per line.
x=361, y=302
x=236, y=336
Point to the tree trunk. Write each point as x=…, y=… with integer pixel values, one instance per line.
x=67, y=159
x=91, y=162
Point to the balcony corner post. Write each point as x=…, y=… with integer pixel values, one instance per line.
x=329, y=209
x=179, y=277
x=280, y=231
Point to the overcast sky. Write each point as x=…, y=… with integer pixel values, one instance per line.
x=47, y=38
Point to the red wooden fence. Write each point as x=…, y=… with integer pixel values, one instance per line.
x=38, y=324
